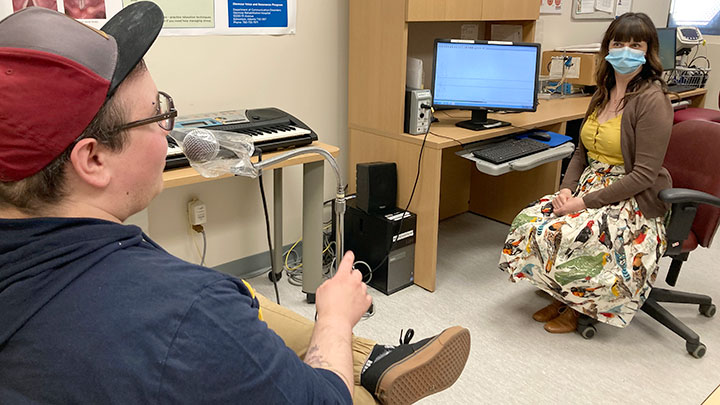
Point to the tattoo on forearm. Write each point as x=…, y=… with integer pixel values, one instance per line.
x=314, y=358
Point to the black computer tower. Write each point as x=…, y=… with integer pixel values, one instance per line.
x=369, y=237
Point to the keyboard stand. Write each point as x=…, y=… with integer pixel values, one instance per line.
x=521, y=164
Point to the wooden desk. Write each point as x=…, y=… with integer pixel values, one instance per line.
x=188, y=175
x=450, y=185
x=696, y=97
x=313, y=171
x=444, y=186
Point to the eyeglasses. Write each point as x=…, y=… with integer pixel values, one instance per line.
x=165, y=116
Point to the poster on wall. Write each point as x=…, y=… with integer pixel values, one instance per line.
x=622, y=7
x=551, y=6
x=183, y=17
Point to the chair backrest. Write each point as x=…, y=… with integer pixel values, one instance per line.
x=693, y=160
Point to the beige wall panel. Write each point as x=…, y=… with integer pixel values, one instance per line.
x=304, y=74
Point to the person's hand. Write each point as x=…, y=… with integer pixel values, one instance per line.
x=343, y=298
x=571, y=205
x=561, y=198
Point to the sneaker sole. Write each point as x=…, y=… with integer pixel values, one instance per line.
x=433, y=368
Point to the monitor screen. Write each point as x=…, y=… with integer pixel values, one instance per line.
x=486, y=75
x=666, y=47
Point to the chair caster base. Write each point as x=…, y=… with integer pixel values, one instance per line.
x=585, y=327
x=696, y=350
x=708, y=310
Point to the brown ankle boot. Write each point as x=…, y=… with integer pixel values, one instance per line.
x=549, y=312
x=566, y=322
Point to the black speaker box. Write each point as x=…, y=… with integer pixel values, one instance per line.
x=376, y=187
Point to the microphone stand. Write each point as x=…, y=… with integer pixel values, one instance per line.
x=339, y=193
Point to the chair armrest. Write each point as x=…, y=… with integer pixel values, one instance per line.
x=686, y=195
x=684, y=207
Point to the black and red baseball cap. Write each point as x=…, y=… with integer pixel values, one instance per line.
x=56, y=73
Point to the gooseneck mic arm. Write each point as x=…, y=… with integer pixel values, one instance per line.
x=202, y=147
x=339, y=193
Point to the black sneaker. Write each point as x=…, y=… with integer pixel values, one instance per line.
x=406, y=373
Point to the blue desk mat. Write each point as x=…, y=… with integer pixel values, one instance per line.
x=555, y=138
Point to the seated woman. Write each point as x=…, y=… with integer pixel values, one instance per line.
x=594, y=246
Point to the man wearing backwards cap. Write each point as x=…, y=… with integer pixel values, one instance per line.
x=93, y=311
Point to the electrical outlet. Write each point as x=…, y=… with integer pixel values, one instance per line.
x=197, y=213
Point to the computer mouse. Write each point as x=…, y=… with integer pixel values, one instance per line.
x=540, y=136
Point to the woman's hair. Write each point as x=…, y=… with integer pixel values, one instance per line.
x=628, y=27
x=33, y=194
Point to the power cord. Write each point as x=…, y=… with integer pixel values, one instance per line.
x=267, y=229
x=462, y=145
x=199, y=229
x=412, y=193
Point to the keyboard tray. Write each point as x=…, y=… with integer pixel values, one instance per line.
x=524, y=163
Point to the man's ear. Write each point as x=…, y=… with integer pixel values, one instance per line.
x=89, y=160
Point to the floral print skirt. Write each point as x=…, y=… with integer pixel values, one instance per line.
x=601, y=262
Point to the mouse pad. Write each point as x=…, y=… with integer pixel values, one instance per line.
x=555, y=138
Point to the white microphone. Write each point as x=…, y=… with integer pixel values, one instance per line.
x=201, y=145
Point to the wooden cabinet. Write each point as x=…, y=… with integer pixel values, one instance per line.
x=510, y=9
x=383, y=34
x=471, y=10
x=444, y=10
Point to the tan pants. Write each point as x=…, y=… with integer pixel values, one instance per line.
x=296, y=332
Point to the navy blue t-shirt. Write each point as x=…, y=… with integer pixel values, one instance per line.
x=94, y=312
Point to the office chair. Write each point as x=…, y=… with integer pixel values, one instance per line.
x=695, y=197
x=692, y=113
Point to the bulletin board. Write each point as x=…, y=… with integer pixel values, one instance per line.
x=595, y=15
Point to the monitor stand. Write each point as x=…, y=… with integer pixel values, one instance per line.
x=480, y=121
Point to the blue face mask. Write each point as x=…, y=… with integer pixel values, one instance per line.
x=625, y=60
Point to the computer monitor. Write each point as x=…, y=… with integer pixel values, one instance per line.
x=485, y=75
x=666, y=47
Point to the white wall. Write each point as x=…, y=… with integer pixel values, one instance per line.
x=561, y=29
x=304, y=74
x=713, y=83
x=554, y=30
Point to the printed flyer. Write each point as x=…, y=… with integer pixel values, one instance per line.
x=183, y=17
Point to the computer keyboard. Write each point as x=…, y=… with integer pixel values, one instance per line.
x=509, y=149
x=680, y=88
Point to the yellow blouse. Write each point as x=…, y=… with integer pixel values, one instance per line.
x=602, y=141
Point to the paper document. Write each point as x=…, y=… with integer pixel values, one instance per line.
x=506, y=32
x=469, y=31
x=183, y=17
x=585, y=6
x=556, y=67
x=623, y=6
x=604, y=5
x=551, y=7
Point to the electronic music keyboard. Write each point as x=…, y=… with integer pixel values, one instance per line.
x=270, y=128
